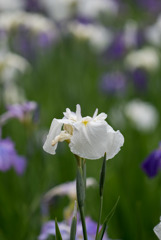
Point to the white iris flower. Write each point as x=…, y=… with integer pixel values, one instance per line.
x=88, y=137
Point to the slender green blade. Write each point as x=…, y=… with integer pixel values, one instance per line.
x=102, y=175
x=107, y=219
x=58, y=234
x=73, y=229
x=74, y=223
x=102, y=231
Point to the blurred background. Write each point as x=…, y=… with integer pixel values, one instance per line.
x=101, y=54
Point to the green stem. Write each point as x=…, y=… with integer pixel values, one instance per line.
x=79, y=162
x=80, y=187
x=84, y=171
x=83, y=223
x=100, y=214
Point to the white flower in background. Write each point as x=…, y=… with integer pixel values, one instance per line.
x=88, y=137
x=6, y=5
x=143, y=115
x=153, y=32
x=11, y=66
x=92, y=8
x=147, y=58
x=33, y=21
x=59, y=9
x=157, y=230
x=10, y=63
x=98, y=36
x=67, y=189
x=12, y=93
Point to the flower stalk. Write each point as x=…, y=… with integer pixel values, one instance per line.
x=101, y=187
x=80, y=187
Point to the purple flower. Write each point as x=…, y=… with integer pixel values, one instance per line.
x=117, y=48
x=150, y=5
x=49, y=229
x=23, y=112
x=9, y=158
x=84, y=20
x=33, y=6
x=30, y=44
x=140, y=78
x=91, y=230
x=45, y=40
x=152, y=163
x=24, y=44
x=113, y=83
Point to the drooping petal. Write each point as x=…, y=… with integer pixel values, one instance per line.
x=61, y=137
x=114, y=141
x=54, y=131
x=89, y=139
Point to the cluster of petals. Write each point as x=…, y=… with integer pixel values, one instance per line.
x=88, y=137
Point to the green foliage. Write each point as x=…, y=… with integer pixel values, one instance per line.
x=58, y=234
x=73, y=229
x=107, y=219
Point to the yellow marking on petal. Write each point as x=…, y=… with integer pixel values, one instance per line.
x=85, y=122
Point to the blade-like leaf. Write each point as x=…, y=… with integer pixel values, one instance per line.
x=107, y=219
x=58, y=234
x=102, y=175
x=74, y=223
x=73, y=229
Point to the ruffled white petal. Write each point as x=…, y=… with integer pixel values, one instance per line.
x=89, y=140
x=114, y=142
x=54, y=131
